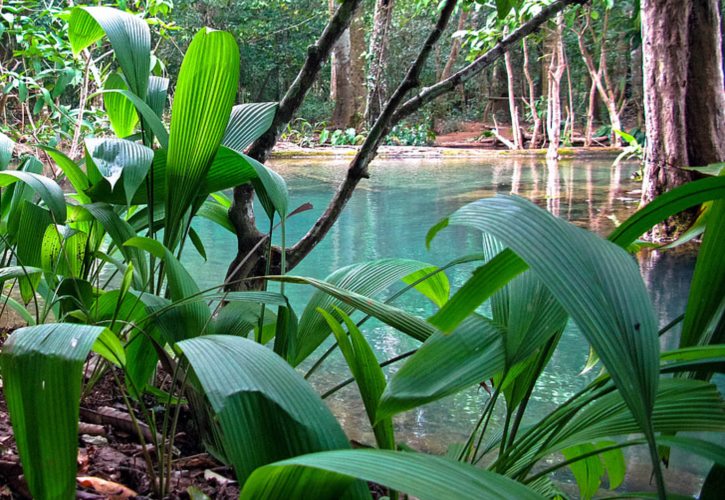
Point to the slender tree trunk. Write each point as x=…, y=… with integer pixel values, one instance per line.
x=588, y=132
x=684, y=97
x=455, y=46
x=556, y=71
x=349, y=76
x=637, y=85
x=599, y=73
x=532, y=99
x=377, y=89
x=513, y=109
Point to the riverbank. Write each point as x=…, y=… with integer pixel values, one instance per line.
x=289, y=150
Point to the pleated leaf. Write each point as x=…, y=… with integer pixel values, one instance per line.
x=446, y=364
x=266, y=410
x=704, y=322
x=129, y=35
x=596, y=282
x=76, y=176
x=120, y=232
x=42, y=369
x=46, y=188
x=365, y=279
x=247, y=122
x=185, y=320
x=120, y=110
x=63, y=250
x=681, y=406
x=203, y=100
x=214, y=212
x=113, y=159
x=368, y=375
x=667, y=204
x=7, y=145
x=322, y=476
x=150, y=118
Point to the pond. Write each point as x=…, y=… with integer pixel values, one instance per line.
x=389, y=216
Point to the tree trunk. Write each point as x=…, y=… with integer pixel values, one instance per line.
x=513, y=109
x=588, y=132
x=455, y=47
x=600, y=74
x=637, y=85
x=377, y=55
x=349, y=76
x=684, y=97
x=556, y=71
x=532, y=99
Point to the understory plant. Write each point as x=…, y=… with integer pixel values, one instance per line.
x=98, y=269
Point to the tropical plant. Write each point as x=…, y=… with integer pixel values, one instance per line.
x=231, y=355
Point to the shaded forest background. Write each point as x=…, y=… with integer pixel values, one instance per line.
x=44, y=86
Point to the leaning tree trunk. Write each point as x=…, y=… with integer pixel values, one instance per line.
x=684, y=97
x=377, y=55
x=348, y=76
x=556, y=71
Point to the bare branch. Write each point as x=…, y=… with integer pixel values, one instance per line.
x=430, y=93
x=358, y=167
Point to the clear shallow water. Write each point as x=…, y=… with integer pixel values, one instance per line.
x=389, y=216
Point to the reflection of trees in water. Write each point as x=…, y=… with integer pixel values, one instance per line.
x=667, y=275
x=553, y=188
x=516, y=177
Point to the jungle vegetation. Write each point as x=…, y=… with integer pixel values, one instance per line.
x=122, y=123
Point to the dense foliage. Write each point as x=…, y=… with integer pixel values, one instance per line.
x=94, y=267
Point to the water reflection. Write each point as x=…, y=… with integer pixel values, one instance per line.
x=389, y=216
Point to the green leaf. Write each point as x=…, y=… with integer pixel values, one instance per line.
x=595, y=281
x=266, y=410
x=366, y=370
x=486, y=280
x=217, y=214
x=120, y=110
x=707, y=289
x=667, y=204
x=129, y=35
x=157, y=94
x=185, y=320
x=42, y=369
x=6, y=150
x=435, y=285
x=120, y=231
x=112, y=159
x=13, y=272
x=205, y=93
x=424, y=476
x=587, y=471
x=48, y=190
x=445, y=364
x=148, y=114
x=76, y=176
x=271, y=189
x=63, y=250
x=366, y=279
x=247, y=122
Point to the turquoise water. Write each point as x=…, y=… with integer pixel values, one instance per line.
x=389, y=216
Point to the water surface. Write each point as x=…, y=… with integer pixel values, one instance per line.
x=389, y=215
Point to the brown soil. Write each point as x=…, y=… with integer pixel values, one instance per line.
x=467, y=136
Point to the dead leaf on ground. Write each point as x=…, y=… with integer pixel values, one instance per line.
x=109, y=488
